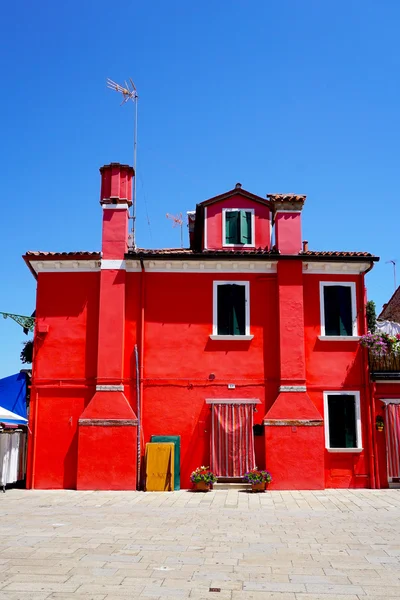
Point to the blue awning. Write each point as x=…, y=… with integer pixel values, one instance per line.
x=13, y=399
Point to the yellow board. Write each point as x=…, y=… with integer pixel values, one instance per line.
x=159, y=467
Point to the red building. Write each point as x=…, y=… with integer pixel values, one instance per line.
x=238, y=331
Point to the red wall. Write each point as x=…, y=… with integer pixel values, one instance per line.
x=179, y=358
x=63, y=375
x=213, y=222
x=335, y=366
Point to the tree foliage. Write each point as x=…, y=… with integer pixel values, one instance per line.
x=27, y=353
x=371, y=316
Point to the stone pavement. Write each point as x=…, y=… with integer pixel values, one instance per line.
x=325, y=545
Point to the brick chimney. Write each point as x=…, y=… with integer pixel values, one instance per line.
x=116, y=199
x=287, y=222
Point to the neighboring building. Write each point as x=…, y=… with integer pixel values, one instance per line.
x=245, y=348
x=391, y=310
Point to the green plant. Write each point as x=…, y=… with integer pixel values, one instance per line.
x=380, y=343
x=257, y=476
x=26, y=355
x=371, y=316
x=203, y=474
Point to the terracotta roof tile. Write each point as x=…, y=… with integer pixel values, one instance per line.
x=63, y=255
x=286, y=197
x=337, y=253
x=256, y=252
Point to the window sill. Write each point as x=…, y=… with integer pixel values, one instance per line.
x=345, y=450
x=232, y=338
x=339, y=338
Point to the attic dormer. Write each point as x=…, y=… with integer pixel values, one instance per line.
x=236, y=220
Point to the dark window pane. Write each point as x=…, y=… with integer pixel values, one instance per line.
x=232, y=227
x=231, y=309
x=342, y=421
x=338, y=313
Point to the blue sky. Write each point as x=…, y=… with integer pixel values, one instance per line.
x=290, y=96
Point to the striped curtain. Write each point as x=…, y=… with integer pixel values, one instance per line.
x=393, y=440
x=232, y=442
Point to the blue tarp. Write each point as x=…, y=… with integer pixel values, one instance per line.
x=13, y=397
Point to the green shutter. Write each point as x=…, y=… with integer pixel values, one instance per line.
x=231, y=227
x=245, y=227
x=338, y=311
x=231, y=309
x=238, y=297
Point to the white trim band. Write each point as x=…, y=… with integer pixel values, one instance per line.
x=292, y=388
x=110, y=388
x=111, y=264
x=122, y=206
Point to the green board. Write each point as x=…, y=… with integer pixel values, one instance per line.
x=174, y=439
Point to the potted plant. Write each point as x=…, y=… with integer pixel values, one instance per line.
x=202, y=479
x=259, y=479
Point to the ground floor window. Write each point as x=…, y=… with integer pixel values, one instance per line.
x=342, y=421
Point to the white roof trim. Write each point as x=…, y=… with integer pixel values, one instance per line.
x=208, y=266
x=335, y=268
x=65, y=266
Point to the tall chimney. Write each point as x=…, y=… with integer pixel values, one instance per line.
x=287, y=221
x=107, y=436
x=116, y=199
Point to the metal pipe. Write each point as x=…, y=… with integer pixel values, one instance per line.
x=139, y=446
x=141, y=354
x=134, y=177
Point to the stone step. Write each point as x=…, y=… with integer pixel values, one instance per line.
x=237, y=485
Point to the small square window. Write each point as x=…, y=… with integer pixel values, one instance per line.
x=338, y=309
x=231, y=308
x=342, y=421
x=238, y=227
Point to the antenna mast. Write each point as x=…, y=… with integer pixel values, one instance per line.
x=129, y=92
x=177, y=221
x=393, y=262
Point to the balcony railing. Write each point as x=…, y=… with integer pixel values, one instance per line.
x=386, y=366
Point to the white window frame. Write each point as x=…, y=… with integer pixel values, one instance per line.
x=247, y=336
x=359, y=447
x=352, y=286
x=250, y=210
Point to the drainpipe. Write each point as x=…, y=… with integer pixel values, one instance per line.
x=140, y=369
x=138, y=417
x=370, y=412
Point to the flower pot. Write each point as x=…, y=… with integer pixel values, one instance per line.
x=258, y=487
x=202, y=486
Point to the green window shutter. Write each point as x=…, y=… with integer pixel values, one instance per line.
x=345, y=312
x=232, y=227
x=342, y=421
x=338, y=312
x=245, y=227
x=231, y=310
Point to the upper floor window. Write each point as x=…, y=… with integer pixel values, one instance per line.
x=231, y=310
x=338, y=309
x=238, y=227
x=342, y=421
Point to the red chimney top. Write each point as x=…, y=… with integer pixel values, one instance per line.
x=116, y=184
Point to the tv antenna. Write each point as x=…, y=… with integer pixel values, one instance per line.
x=129, y=92
x=393, y=262
x=177, y=221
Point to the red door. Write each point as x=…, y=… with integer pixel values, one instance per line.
x=232, y=442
